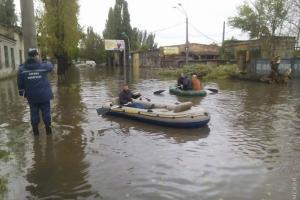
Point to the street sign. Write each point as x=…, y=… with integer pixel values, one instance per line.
x=114, y=45
x=170, y=51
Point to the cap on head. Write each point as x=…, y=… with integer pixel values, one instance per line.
x=32, y=52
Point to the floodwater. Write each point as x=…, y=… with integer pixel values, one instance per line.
x=249, y=151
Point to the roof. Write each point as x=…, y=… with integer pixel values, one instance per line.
x=199, y=49
x=176, y=45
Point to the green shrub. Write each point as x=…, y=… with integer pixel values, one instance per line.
x=3, y=187
x=3, y=154
x=207, y=72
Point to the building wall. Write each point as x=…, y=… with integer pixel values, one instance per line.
x=136, y=60
x=247, y=51
x=11, y=52
x=263, y=66
x=149, y=58
x=260, y=48
x=200, y=49
x=284, y=47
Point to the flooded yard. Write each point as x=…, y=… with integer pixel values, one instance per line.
x=250, y=149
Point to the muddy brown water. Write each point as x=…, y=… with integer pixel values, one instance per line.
x=250, y=149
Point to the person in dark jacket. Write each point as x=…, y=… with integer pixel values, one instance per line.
x=180, y=80
x=126, y=98
x=187, y=84
x=33, y=84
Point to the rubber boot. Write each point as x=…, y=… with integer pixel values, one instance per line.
x=48, y=129
x=35, y=129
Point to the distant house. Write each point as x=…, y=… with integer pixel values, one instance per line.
x=174, y=55
x=11, y=50
x=248, y=50
x=199, y=51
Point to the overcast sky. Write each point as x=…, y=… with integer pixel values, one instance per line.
x=206, y=18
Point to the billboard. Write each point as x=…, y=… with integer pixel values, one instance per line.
x=114, y=45
x=170, y=51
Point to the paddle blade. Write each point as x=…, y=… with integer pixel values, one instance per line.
x=136, y=95
x=102, y=111
x=159, y=91
x=213, y=90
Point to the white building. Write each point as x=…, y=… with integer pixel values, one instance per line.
x=11, y=51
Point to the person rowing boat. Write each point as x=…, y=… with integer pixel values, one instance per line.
x=126, y=98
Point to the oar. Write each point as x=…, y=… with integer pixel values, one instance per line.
x=102, y=111
x=158, y=92
x=212, y=90
x=138, y=95
x=145, y=98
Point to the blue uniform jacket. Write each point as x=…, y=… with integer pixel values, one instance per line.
x=33, y=81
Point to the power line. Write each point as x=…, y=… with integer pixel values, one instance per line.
x=167, y=28
x=197, y=30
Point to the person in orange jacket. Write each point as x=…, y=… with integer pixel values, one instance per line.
x=196, y=83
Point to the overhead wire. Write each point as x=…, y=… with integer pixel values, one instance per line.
x=204, y=35
x=167, y=28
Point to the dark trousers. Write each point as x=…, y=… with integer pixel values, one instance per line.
x=136, y=105
x=34, y=113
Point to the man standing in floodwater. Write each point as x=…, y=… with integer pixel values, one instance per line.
x=33, y=84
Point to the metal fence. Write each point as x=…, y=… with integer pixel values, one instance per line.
x=263, y=66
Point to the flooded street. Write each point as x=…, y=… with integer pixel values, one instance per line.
x=249, y=151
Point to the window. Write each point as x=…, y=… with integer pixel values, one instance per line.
x=12, y=54
x=21, y=56
x=6, y=56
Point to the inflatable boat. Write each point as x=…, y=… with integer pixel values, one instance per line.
x=181, y=115
x=177, y=91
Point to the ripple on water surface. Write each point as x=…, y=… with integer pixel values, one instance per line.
x=250, y=150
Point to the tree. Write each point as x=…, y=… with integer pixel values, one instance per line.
x=261, y=17
x=60, y=30
x=109, y=31
x=7, y=13
x=264, y=19
x=141, y=40
x=118, y=21
x=294, y=20
x=118, y=27
x=227, y=50
x=92, y=46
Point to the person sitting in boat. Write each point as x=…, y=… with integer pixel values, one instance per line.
x=187, y=84
x=196, y=83
x=126, y=98
x=180, y=80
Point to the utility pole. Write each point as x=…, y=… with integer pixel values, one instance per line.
x=28, y=25
x=128, y=42
x=223, y=38
x=182, y=10
x=124, y=64
x=187, y=41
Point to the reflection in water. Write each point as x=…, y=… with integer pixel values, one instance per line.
x=14, y=116
x=178, y=135
x=194, y=100
x=250, y=149
x=258, y=122
x=12, y=106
